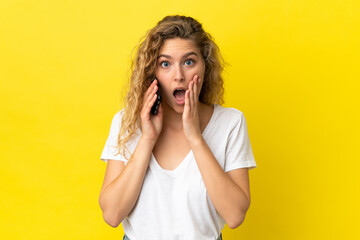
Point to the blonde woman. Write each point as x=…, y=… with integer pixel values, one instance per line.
x=181, y=173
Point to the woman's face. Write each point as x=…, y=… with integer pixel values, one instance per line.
x=178, y=62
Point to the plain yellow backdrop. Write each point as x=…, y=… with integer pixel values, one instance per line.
x=294, y=73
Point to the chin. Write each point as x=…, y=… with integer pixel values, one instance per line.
x=173, y=106
x=178, y=109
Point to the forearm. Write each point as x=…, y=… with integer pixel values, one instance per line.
x=119, y=197
x=228, y=198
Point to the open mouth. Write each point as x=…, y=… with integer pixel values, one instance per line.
x=179, y=95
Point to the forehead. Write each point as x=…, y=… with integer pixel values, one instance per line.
x=178, y=46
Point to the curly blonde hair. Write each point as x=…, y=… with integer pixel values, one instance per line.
x=143, y=70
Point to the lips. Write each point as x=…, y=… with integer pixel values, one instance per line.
x=179, y=95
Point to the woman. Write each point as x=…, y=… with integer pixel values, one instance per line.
x=181, y=173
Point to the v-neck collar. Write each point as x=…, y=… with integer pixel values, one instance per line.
x=156, y=166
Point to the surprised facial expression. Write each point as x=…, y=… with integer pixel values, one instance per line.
x=178, y=62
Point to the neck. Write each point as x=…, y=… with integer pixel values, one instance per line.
x=173, y=120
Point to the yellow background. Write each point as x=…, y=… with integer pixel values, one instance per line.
x=294, y=73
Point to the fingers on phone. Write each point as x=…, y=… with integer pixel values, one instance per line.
x=151, y=103
x=150, y=100
x=150, y=88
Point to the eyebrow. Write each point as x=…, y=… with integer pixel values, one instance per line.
x=185, y=56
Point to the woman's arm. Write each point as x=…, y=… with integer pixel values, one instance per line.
x=229, y=192
x=122, y=184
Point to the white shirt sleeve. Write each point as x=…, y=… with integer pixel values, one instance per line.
x=110, y=150
x=238, y=150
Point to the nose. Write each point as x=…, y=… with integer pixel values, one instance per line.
x=178, y=73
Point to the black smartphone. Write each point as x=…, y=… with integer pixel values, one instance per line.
x=155, y=107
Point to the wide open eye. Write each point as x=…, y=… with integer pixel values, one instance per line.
x=164, y=64
x=189, y=62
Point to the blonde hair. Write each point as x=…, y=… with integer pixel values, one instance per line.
x=143, y=70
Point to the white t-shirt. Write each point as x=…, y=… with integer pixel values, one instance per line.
x=174, y=204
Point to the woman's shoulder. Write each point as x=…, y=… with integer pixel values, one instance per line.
x=225, y=120
x=116, y=120
x=228, y=112
x=118, y=115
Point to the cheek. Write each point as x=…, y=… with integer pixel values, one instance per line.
x=163, y=80
x=158, y=74
x=192, y=72
x=161, y=77
x=200, y=70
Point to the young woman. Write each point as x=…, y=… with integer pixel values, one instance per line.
x=181, y=173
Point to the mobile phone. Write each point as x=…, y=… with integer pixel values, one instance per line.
x=155, y=107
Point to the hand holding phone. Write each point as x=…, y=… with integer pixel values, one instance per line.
x=155, y=107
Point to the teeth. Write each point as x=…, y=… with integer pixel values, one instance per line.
x=179, y=89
